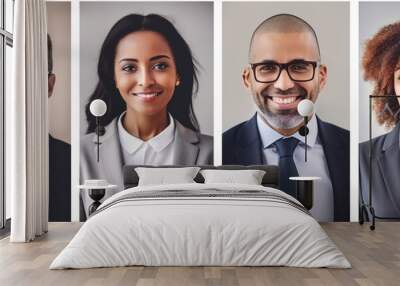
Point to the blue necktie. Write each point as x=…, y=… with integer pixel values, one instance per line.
x=287, y=168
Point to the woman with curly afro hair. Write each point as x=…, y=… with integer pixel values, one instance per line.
x=381, y=64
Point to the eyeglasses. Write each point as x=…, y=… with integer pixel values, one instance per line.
x=298, y=70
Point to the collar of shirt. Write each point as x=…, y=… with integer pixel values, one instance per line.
x=269, y=135
x=159, y=142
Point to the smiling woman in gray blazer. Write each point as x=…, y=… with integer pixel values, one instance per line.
x=147, y=77
x=381, y=63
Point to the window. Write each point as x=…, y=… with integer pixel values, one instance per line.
x=6, y=44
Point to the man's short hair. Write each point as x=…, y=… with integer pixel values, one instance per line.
x=49, y=55
x=284, y=23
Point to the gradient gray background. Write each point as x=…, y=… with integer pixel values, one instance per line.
x=59, y=108
x=331, y=23
x=193, y=20
x=373, y=16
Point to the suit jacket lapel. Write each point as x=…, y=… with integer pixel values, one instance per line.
x=186, y=149
x=337, y=157
x=249, y=145
x=389, y=165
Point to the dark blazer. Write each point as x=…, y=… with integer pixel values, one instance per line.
x=385, y=173
x=241, y=145
x=59, y=180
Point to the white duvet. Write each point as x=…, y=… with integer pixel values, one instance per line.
x=182, y=231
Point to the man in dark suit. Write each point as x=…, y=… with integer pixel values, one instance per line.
x=284, y=69
x=59, y=162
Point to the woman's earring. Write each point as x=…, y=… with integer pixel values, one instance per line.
x=177, y=82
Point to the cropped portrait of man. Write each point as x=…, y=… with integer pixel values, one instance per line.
x=59, y=161
x=284, y=68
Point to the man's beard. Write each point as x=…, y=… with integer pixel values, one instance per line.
x=281, y=119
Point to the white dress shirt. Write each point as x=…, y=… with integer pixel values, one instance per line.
x=316, y=165
x=155, y=151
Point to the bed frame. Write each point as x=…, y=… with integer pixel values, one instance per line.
x=270, y=179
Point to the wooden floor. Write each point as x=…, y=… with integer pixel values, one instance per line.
x=374, y=255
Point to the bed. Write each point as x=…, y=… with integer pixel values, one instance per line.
x=201, y=224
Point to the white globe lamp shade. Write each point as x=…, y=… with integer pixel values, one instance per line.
x=305, y=107
x=98, y=107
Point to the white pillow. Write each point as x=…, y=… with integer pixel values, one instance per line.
x=163, y=176
x=249, y=177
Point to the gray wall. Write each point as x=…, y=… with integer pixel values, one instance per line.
x=331, y=23
x=59, y=29
x=194, y=21
x=373, y=16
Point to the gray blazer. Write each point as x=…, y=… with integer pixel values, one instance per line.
x=385, y=173
x=192, y=149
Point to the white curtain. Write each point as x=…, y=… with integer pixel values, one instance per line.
x=28, y=123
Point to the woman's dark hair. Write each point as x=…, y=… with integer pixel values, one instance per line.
x=180, y=106
x=380, y=61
